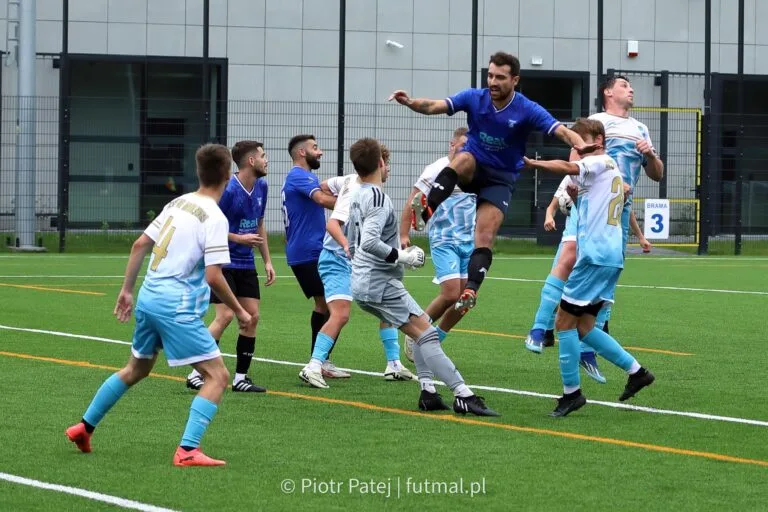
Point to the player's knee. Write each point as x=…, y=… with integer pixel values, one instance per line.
x=225, y=316
x=450, y=292
x=567, y=261
x=219, y=376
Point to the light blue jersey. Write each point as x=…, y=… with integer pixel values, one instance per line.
x=621, y=137
x=453, y=223
x=189, y=234
x=600, y=206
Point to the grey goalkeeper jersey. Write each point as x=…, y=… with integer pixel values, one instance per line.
x=373, y=233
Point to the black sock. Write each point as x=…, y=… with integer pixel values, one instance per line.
x=186, y=448
x=217, y=342
x=443, y=187
x=479, y=263
x=245, y=348
x=88, y=427
x=605, y=328
x=316, y=321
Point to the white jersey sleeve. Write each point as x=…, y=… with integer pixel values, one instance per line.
x=216, y=245
x=153, y=230
x=591, y=167
x=336, y=183
x=562, y=189
x=427, y=178
x=344, y=198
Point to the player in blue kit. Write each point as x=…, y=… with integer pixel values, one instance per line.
x=500, y=121
x=188, y=241
x=304, y=202
x=243, y=203
x=592, y=283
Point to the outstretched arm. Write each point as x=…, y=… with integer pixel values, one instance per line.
x=421, y=105
x=574, y=140
x=405, y=220
x=555, y=166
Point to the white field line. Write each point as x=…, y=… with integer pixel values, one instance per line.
x=615, y=405
x=490, y=278
x=511, y=258
x=96, y=496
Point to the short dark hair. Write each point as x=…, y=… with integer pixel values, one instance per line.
x=243, y=148
x=214, y=163
x=608, y=83
x=298, y=139
x=365, y=155
x=506, y=59
x=461, y=131
x=589, y=127
x=385, y=152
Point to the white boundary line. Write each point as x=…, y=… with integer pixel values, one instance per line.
x=75, y=491
x=615, y=405
x=490, y=278
x=511, y=257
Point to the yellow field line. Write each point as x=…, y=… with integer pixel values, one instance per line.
x=49, y=289
x=439, y=417
x=518, y=337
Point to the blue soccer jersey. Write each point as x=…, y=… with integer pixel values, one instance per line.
x=244, y=210
x=497, y=138
x=304, y=219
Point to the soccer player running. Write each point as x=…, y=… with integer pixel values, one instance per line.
x=451, y=240
x=377, y=272
x=188, y=241
x=599, y=263
x=304, y=218
x=500, y=121
x=243, y=203
x=336, y=273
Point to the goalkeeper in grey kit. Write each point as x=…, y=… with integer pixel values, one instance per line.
x=377, y=273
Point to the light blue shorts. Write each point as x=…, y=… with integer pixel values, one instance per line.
x=336, y=274
x=591, y=284
x=184, y=338
x=451, y=261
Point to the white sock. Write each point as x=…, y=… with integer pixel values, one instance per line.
x=462, y=390
x=239, y=377
x=427, y=385
x=570, y=389
x=315, y=365
x=395, y=364
x=634, y=368
x=194, y=374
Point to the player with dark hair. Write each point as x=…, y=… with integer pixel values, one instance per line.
x=188, y=241
x=243, y=203
x=500, y=121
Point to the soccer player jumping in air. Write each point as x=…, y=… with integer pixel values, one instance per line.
x=500, y=121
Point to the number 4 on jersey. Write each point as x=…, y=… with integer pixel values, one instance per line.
x=160, y=251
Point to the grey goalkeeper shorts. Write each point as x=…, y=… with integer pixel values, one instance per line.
x=396, y=307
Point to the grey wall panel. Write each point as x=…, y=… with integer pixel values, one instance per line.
x=246, y=82
x=166, y=40
x=360, y=51
x=394, y=15
x=245, y=45
x=320, y=48
x=282, y=83
x=432, y=84
x=461, y=17
x=671, y=56
x=571, y=54
x=87, y=10
x=361, y=15
x=284, y=13
x=537, y=18
x=638, y=19
x=246, y=13
x=432, y=16
x=572, y=19
x=321, y=14
x=531, y=47
x=282, y=46
x=319, y=84
x=133, y=11
x=459, y=52
x=127, y=38
x=672, y=21
x=431, y=51
x=360, y=85
x=391, y=57
x=501, y=17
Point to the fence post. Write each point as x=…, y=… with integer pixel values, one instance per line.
x=342, y=74
x=664, y=131
x=738, y=193
x=706, y=207
x=64, y=128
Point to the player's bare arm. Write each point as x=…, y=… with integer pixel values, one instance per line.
x=554, y=166
x=251, y=239
x=335, y=229
x=324, y=199
x=264, y=250
x=549, y=215
x=421, y=105
x=635, y=226
x=655, y=167
x=139, y=250
x=574, y=140
x=405, y=220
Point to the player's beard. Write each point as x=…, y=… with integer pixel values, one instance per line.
x=313, y=162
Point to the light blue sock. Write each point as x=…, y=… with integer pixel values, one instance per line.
x=388, y=337
x=584, y=348
x=441, y=334
x=200, y=416
x=550, y=298
x=609, y=348
x=603, y=316
x=323, y=346
x=107, y=396
x=569, y=357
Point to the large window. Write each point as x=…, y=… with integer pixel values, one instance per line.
x=134, y=128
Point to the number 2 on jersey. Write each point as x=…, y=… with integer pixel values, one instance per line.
x=614, y=207
x=160, y=251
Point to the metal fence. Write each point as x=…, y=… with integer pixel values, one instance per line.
x=106, y=167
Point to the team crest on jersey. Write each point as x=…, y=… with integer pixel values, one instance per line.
x=511, y=123
x=258, y=201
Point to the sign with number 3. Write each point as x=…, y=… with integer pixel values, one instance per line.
x=656, y=225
